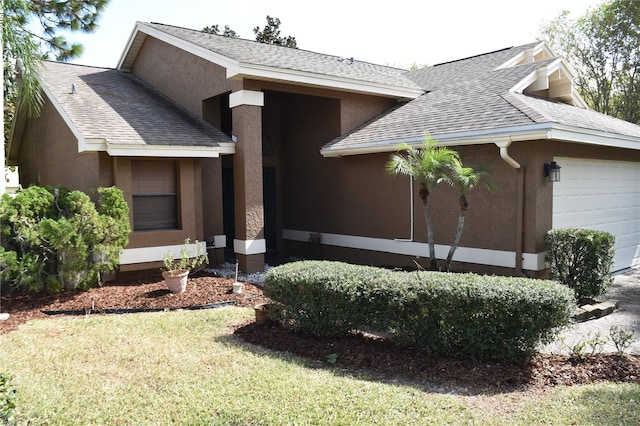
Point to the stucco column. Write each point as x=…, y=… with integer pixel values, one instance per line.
x=249, y=243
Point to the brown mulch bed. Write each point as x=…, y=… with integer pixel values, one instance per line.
x=353, y=354
x=123, y=296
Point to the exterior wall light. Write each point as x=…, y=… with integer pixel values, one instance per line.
x=552, y=171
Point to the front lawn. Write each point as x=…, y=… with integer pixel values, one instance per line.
x=187, y=367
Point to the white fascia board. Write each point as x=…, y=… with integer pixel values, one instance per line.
x=490, y=136
x=543, y=71
x=551, y=131
x=532, y=51
x=176, y=151
x=525, y=82
x=65, y=117
x=132, y=47
x=594, y=137
x=196, y=50
x=261, y=72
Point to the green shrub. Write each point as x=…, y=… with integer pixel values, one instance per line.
x=321, y=298
x=7, y=400
x=485, y=317
x=581, y=259
x=53, y=238
x=462, y=315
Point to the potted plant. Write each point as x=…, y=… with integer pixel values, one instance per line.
x=176, y=269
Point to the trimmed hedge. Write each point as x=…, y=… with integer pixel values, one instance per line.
x=463, y=315
x=581, y=259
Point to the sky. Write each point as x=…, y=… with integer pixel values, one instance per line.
x=393, y=32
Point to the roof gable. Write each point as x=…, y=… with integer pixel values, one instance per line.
x=108, y=110
x=518, y=93
x=250, y=59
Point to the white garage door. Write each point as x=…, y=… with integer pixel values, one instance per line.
x=602, y=195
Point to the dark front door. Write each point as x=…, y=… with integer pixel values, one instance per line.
x=269, y=200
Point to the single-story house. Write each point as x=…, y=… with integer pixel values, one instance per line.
x=267, y=149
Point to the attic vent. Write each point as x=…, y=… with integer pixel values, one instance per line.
x=73, y=89
x=348, y=61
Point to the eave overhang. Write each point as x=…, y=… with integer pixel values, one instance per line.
x=238, y=70
x=97, y=144
x=543, y=131
x=148, y=150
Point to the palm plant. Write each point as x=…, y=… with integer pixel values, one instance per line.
x=464, y=179
x=428, y=166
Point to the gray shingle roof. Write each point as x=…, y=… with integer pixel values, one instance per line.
x=458, y=105
x=472, y=95
x=255, y=53
x=122, y=109
x=473, y=68
x=545, y=111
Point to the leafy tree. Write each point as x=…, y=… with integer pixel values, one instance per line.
x=270, y=34
x=53, y=238
x=428, y=166
x=23, y=49
x=215, y=29
x=464, y=179
x=603, y=46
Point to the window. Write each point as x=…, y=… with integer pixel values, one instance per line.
x=155, y=198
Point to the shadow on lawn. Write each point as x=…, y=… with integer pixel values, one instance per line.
x=378, y=359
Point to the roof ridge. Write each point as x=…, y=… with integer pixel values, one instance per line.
x=201, y=31
x=473, y=56
x=77, y=65
x=337, y=57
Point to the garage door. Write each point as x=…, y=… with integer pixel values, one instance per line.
x=602, y=195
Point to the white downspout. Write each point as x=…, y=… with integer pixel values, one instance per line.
x=504, y=154
x=410, y=239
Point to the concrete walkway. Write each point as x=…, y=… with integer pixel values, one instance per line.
x=625, y=289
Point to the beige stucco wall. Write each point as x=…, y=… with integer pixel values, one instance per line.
x=184, y=77
x=354, y=196
x=49, y=155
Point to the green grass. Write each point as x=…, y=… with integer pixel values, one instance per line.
x=187, y=368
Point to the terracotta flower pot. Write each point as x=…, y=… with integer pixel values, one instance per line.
x=177, y=281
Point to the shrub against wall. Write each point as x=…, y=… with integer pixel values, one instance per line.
x=581, y=259
x=54, y=238
x=463, y=315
